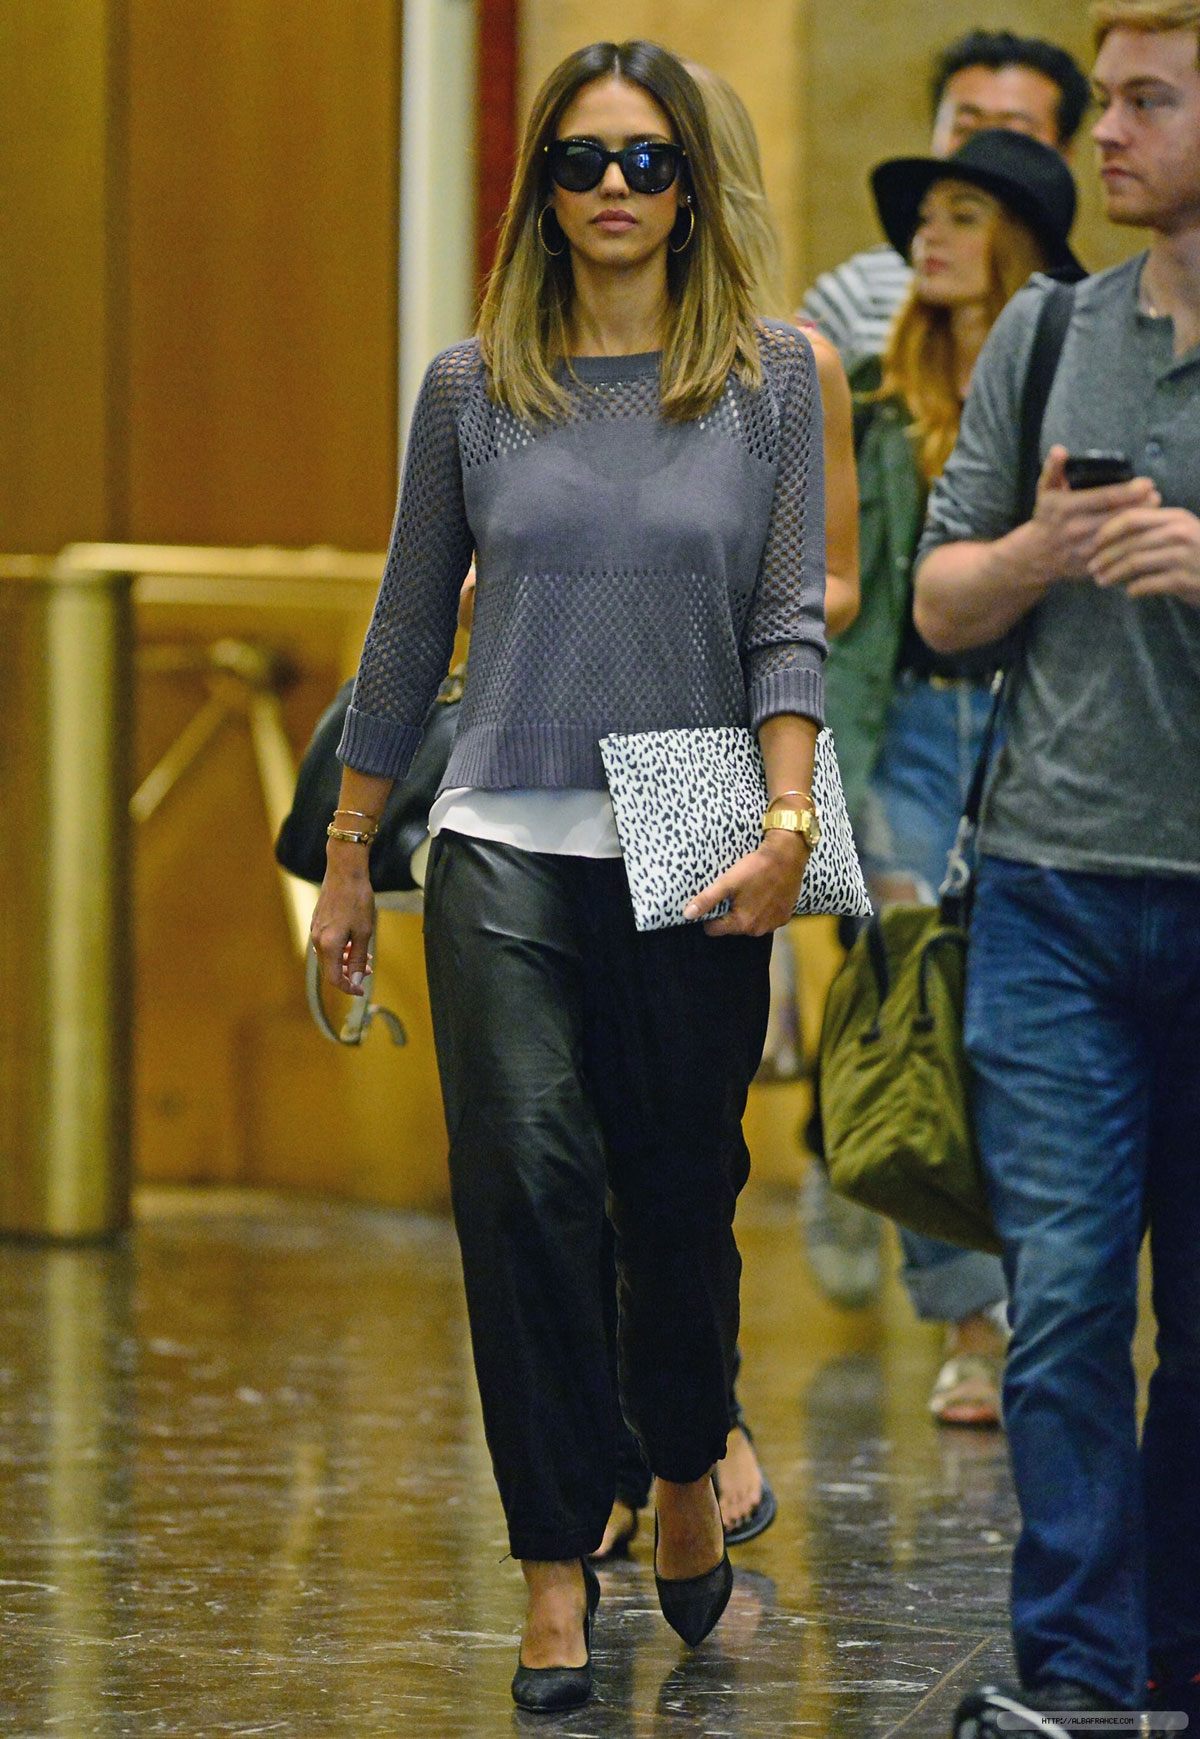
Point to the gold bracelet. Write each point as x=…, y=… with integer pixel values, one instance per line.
x=359, y=815
x=780, y=795
x=349, y=835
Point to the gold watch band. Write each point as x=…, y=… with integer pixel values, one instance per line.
x=793, y=819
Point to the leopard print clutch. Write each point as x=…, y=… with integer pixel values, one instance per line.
x=689, y=803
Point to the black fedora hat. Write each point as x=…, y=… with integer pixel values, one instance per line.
x=1027, y=177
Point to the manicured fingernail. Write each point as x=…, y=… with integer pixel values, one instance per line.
x=356, y=979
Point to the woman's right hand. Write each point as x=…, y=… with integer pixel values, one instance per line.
x=344, y=918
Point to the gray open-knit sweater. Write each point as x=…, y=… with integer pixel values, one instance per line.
x=633, y=574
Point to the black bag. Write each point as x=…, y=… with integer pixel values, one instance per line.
x=404, y=824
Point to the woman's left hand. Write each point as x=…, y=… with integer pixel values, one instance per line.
x=763, y=887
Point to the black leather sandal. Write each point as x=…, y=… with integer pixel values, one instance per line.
x=757, y=1522
x=764, y=1511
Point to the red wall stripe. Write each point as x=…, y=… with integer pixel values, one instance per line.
x=496, y=120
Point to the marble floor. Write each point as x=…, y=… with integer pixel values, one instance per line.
x=243, y=1490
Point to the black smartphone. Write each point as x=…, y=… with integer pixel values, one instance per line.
x=1093, y=470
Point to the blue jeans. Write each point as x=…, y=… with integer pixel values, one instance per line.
x=1083, y=1030
x=915, y=796
x=909, y=817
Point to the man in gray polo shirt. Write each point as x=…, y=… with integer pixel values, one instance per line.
x=1083, y=1008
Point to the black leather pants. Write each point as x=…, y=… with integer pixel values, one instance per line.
x=577, y=1057
x=633, y=1477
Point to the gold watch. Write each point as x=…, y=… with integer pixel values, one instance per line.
x=794, y=820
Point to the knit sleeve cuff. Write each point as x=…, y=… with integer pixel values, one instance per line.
x=377, y=746
x=794, y=686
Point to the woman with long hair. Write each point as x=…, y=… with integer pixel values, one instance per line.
x=636, y=461
x=748, y=1505
x=908, y=724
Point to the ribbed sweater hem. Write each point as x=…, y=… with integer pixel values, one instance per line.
x=800, y=689
x=377, y=746
x=554, y=755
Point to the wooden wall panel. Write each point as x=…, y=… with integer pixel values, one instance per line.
x=263, y=161
x=233, y=1083
x=60, y=301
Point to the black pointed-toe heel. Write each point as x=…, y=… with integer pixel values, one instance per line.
x=692, y=1605
x=547, y=1689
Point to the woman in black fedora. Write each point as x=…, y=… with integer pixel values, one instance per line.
x=908, y=724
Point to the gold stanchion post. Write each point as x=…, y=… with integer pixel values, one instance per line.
x=65, y=1009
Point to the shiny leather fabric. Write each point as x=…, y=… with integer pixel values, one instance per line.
x=578, y=1057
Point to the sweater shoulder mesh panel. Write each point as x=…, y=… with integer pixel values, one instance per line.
x=490, y=431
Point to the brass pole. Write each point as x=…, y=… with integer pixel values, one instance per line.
x=65, y=1013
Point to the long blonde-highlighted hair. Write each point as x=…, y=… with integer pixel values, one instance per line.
x=747, y=209
x=919, y=363
x=523, y=322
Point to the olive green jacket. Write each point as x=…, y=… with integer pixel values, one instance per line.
x=861, y=667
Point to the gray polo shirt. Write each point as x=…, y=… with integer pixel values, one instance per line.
x=1101, y=767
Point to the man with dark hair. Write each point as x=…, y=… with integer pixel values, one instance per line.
x=1083, y=991
x=987, y=78
x=997, y=51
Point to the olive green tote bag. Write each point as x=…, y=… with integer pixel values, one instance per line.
x=893, y=1074
x=893, y=1080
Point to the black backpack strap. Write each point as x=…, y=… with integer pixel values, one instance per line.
x=1054, y=317
x=1049, y=335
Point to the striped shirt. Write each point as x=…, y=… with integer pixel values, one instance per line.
x=854, y=304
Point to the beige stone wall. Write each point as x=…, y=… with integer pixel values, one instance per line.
x=833, y=85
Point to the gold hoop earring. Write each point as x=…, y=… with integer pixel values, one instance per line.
x=687, y=240
x=554, y=253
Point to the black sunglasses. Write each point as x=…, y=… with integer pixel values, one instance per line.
x=578, y=165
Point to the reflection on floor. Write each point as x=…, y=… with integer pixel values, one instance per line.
x=243, y=1490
